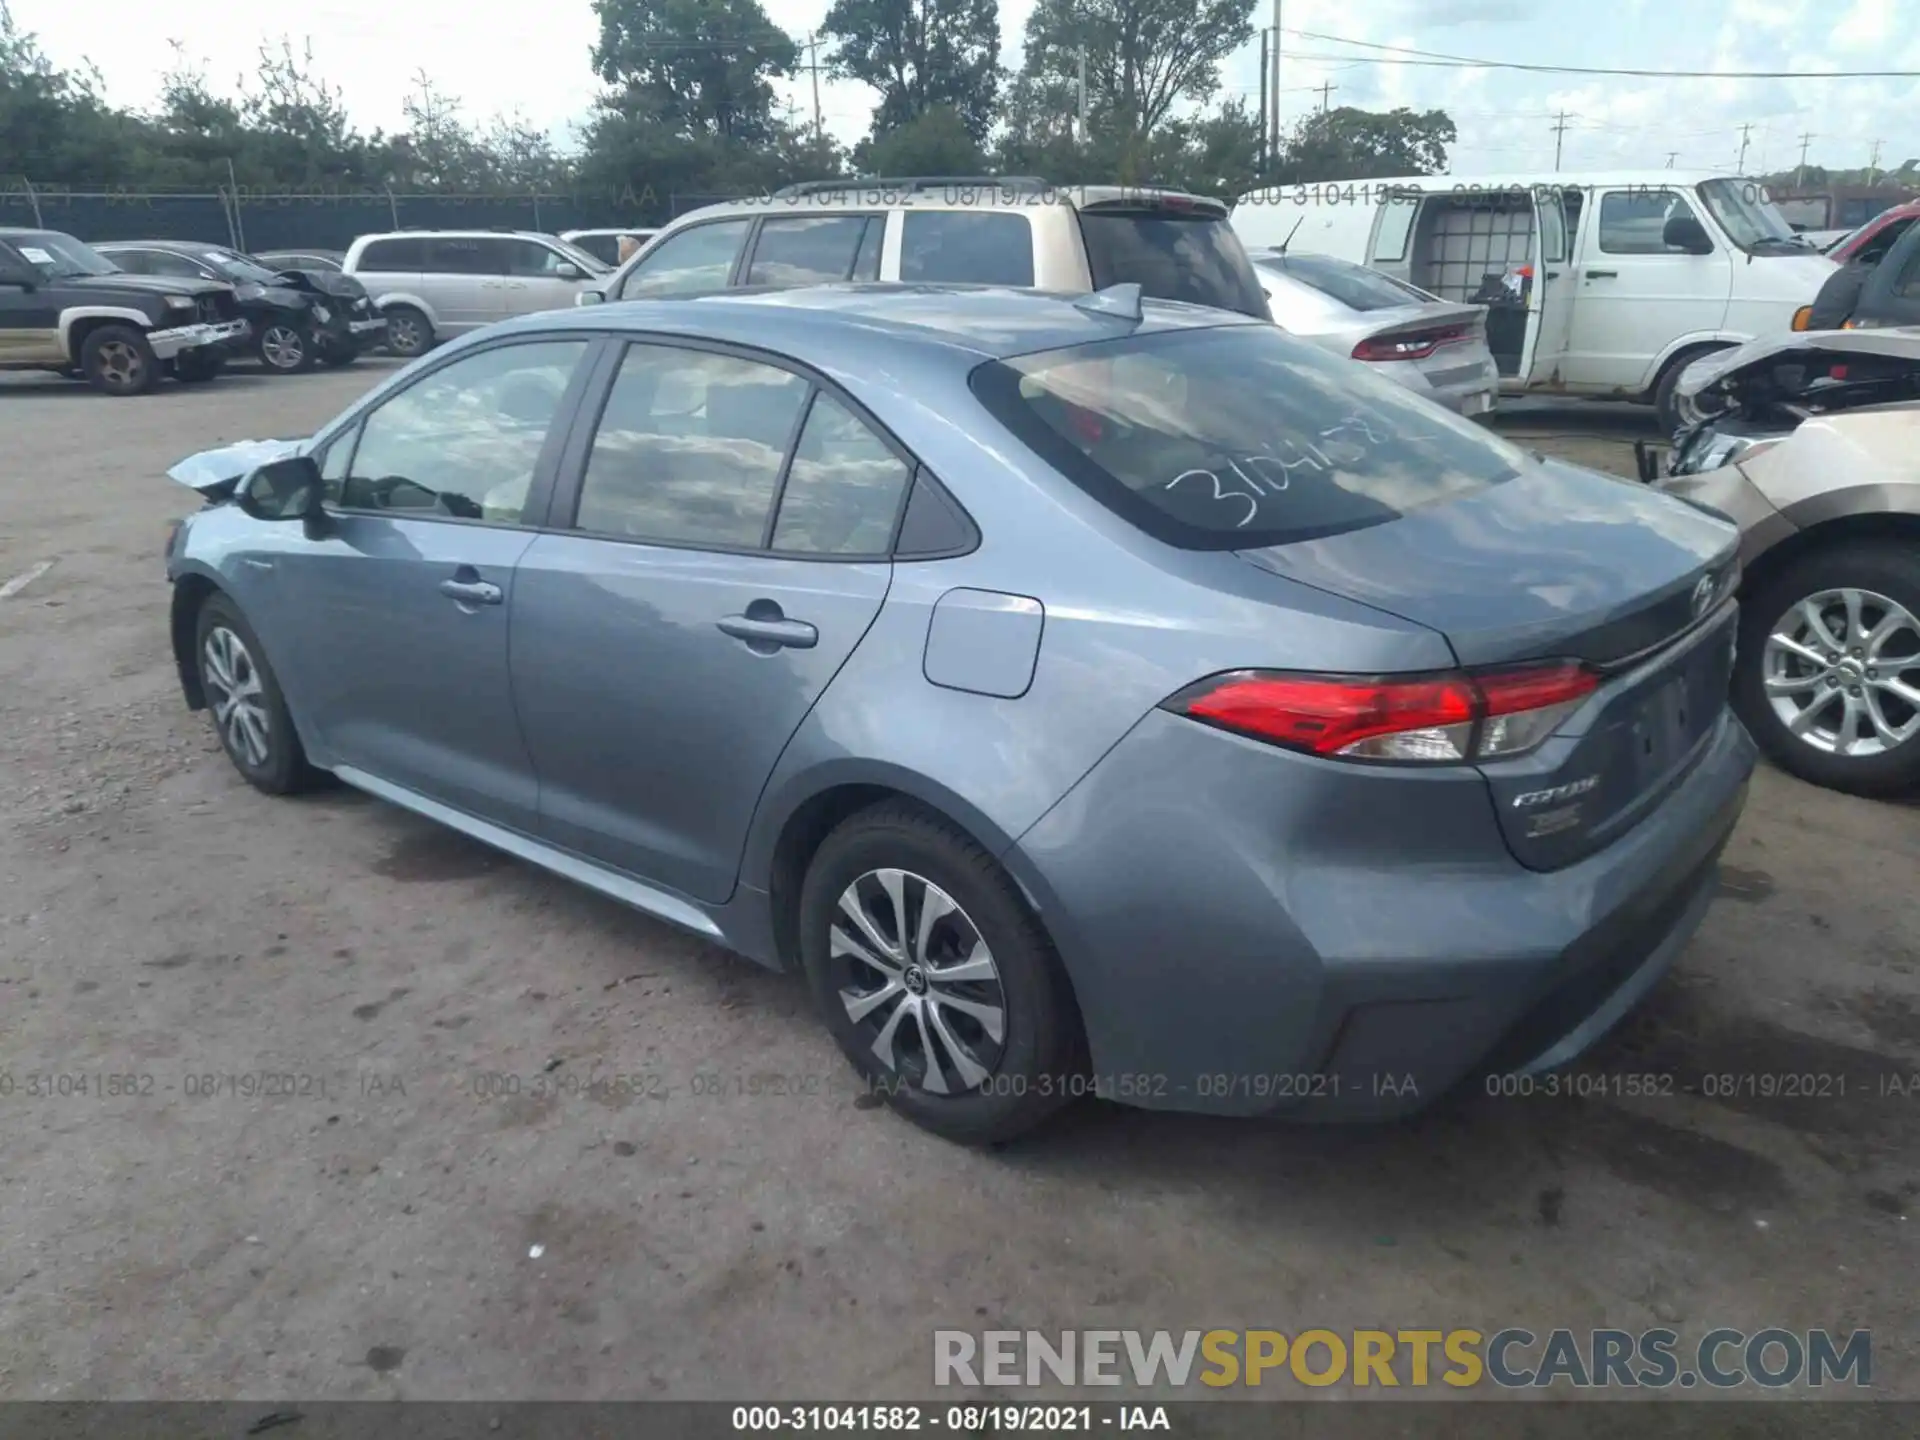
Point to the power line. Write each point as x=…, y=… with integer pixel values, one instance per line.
x=1444, y=61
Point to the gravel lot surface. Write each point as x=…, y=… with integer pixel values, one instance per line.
x=389, y=1229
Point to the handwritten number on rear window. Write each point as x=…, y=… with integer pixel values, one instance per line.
x=1344, y=444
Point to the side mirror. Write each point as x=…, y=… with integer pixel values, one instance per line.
x=1684, y=232
x=288, y=489
x=566, y=270
x=589, y=297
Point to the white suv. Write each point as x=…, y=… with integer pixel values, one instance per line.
x=432, y=284
x=1014, y=231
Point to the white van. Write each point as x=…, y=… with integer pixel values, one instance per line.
x=1603, y=286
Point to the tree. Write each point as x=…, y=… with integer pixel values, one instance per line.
x=438, y=150
x=300, y=124
x=920, y=55
x=53, y=122
x=1143, y=56
x=697, y=67
x=1349, y=144
x=935, y=142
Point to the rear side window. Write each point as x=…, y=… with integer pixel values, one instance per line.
x=804, y=249
x=689, y=448
x=843, y=488
x=1354, y=286
x=394, y=255
x=1238, y=436
x=966, y=247
x=463, y=255
x=1396, y=224
x=1171, y=257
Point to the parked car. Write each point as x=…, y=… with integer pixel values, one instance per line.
x=1087, y=694
x=604, y=245
x=298, y=318
x=1434, y=348
x=1879, y=287
x=1814, y=448
x=1604, y=285
x=953, y=230
x=1876, y=237
x=301, y=259
x=65, y=307
x=434, y=284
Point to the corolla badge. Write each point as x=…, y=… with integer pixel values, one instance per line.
x=1531, y=799
x=1702, y=596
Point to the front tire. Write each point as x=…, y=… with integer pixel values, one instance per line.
x=935, y=978
x=1672, y=411
x=245, y=701
x=1828, y=679
x=285, y=348
x=117, y=360
x=409, y=333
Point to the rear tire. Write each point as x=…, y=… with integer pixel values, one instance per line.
x=117, y=360
x=1827, y=701
x=244, y=699
x=409, y=333
x=964, y=1022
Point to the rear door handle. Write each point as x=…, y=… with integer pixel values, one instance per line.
x=472, y=592
x=771, y=633
x=1603, y=274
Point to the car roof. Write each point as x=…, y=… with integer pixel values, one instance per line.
x=1513, y=180
x=194, y=245
x=455, y=235
x=812, y=322
x=868, y=196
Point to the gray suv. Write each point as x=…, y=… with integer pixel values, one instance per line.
x=433, y=284
x=1014, y=231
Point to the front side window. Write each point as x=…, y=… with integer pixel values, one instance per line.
x=1634, y=222
x=805, y=249
x=689, y=448
x=843, y=488
x=966, y=247
x=1238, y=436
x=463, y=442
x=700, y=257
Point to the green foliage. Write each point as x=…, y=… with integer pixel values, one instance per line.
x=935, y=142
x=1349, y=144
x=698, y=67
x=921, y=55
x=1143, y=57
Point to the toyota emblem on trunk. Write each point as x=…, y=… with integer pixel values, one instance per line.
x=1702, y=596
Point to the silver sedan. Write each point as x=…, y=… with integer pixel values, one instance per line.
x=1434, y=347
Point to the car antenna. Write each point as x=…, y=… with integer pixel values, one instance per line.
x=1282, y=247
x=1120, y=301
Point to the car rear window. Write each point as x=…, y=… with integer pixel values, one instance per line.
x=1354, y=286
x=1238, y=436
x=1195, y=258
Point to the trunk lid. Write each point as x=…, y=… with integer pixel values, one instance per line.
x=1562, y=563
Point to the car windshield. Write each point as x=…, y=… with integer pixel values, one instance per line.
x=242, y=268
x=1750, y=218
x=585, y=261
x=1354, y=286
x=60, y=256
x=1239, y=436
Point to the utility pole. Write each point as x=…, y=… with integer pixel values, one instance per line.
x=1800, y=176
x=1873, y=163
x=1740, y=165
x=1672, y=155
x=1559, y=133
x=1273, y=85
x=1083, y=95
x=813, y=65
x=1327, y=87
x=1262, y=168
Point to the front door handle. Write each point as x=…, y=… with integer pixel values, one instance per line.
x=1603, y=274
x=770, y=633
x=472, y=592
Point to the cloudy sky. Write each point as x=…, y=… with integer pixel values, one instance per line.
x=534, y=62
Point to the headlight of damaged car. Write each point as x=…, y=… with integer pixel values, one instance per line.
x=179, y=302
x=322, y=314
x=1713, y=450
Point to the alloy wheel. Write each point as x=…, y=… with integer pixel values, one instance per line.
x=403, y=335
x=121, y=365
x=918, y=982
x=283, y=347
x=238, y=700
x=1841, y=670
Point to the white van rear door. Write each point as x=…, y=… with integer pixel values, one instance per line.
x=1550, y=317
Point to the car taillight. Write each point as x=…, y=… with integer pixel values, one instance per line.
x=1803, y=317
x=1414, y=346
x=1413, y=719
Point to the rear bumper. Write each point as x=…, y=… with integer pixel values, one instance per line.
x=170, y=342
x=1253, y=931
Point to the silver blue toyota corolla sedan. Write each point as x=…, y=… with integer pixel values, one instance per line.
x=1091, y=696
